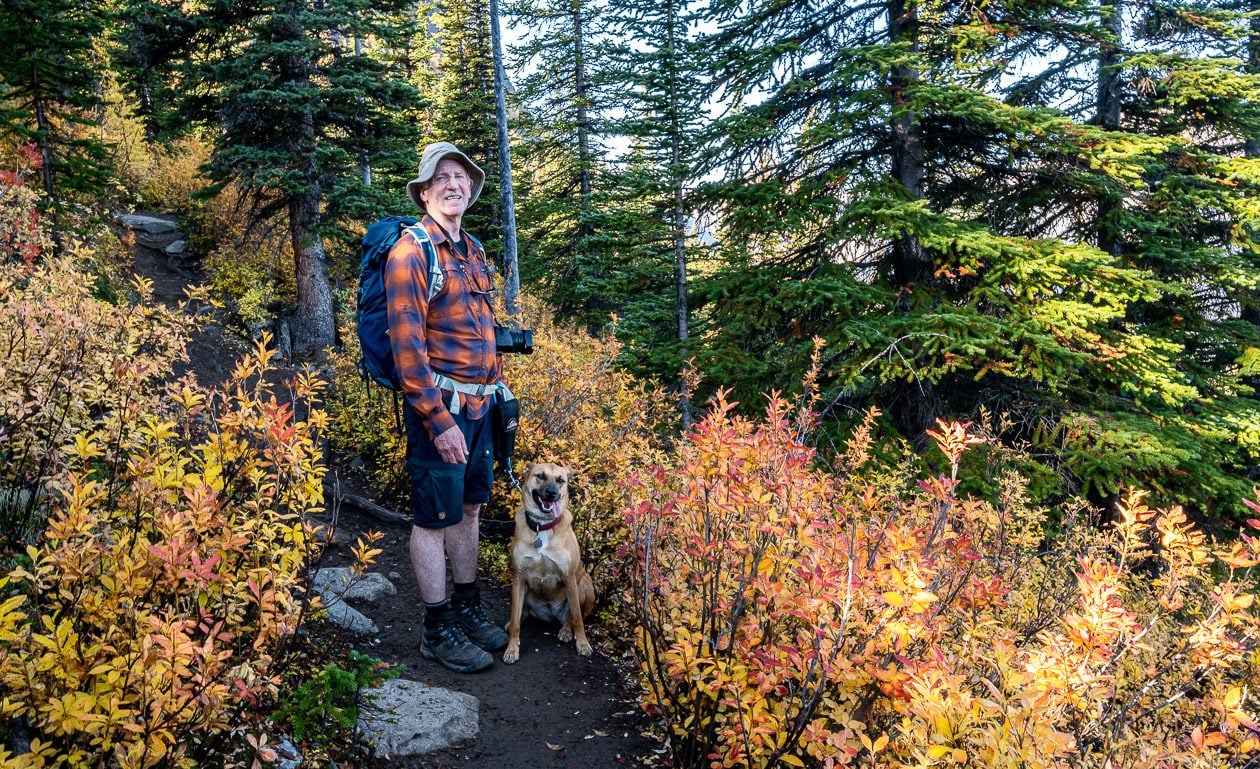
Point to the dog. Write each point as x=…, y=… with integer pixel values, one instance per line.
x=548, y=578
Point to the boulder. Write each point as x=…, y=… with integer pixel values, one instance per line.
x=177, y=248
x=149, y=224
x=349, y=617
x=407, y=718
x=341, y=583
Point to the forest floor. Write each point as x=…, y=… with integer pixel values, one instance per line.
x=553, y=708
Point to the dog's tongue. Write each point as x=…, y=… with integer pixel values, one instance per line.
x=551, y=507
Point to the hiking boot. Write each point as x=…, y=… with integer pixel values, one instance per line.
x=478, y=628
x=448, y=645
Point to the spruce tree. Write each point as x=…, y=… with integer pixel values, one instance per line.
x=50, y=70
x=293, y=111
x=892, y=186
x=460, y=95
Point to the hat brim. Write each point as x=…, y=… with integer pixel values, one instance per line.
x=428, y=167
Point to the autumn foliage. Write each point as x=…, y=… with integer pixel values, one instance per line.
x=797, y=615
x=156, y=570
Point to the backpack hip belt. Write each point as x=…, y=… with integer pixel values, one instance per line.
x=455, y=387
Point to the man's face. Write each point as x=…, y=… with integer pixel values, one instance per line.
x=448, y=191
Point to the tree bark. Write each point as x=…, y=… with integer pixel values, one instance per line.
x=1108, y=118
x=511, y=274
x=679, y=217
x=916, y=403
x=313, y=324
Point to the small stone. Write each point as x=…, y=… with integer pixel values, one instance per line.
x=177, y=248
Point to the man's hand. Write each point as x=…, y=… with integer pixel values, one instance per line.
x=451, y=446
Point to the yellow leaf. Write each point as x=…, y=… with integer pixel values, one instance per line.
x=894, y=599
x=791, y=760
x=939, y=751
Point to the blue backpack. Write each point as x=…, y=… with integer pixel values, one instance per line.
x=370, y=318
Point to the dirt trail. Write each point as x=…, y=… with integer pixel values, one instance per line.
x=551, y=709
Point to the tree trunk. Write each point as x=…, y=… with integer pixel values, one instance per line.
x=680, y=212
x=511, y=276
x=916, y=404
x=314, y=327
x=1108, y=117
x=583, y=117
x=1252, y=146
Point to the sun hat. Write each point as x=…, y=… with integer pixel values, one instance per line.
x=429, y=159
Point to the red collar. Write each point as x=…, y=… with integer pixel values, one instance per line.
x=530, y=523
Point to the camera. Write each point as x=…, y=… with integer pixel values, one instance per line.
x=511, y=340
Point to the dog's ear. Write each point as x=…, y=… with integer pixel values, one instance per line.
x=568, y=474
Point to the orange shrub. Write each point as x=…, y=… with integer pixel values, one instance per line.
x=145, y=629
x=790, y=616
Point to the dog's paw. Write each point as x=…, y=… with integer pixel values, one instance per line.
x=565, y=634
x=512, y=653
x=584, y=647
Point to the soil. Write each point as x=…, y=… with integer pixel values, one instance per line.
x=552, y=708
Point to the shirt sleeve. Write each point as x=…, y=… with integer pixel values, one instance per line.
x=407, y=307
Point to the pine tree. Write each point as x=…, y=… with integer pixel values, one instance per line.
x=50, y=89
x=294, y=111
x=460, y=93
x=964, y=235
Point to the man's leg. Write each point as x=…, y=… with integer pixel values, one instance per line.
x=461, y=548
x=428, y=561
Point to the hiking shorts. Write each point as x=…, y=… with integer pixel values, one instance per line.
x=439, y=489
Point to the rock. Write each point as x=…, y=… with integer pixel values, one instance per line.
x=341, y=582
x=350, y=618
x=149, y=224
x=407, y=718
x=177, y=248
x=287, y=754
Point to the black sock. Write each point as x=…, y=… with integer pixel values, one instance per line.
x=436, y=615
x=466, y=594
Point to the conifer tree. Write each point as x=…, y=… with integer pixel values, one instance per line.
x=49, y=89
x=891, y=186
x=293, y=109
x=460, y=94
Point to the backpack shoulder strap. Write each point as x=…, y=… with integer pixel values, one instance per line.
x=437, y=279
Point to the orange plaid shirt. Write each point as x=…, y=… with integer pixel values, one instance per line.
x=452, y=335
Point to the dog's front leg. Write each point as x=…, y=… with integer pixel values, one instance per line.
x=513, y=651
x=575, y=628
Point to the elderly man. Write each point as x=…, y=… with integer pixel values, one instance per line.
x=444, y=348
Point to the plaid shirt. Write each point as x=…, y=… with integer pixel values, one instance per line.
x=453, y=336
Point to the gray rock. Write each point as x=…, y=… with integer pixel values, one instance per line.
x=149, y=224
x=177, y=248
x=287, y=754
x=350, y=618
x=407, y=718
x=341, y=582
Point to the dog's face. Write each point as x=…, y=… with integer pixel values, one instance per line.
x=546, y=491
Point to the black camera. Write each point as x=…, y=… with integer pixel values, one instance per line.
x=511, y=340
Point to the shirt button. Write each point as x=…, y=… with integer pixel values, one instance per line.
x=441, y=516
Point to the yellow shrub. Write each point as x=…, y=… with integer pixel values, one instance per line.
x=72, y=363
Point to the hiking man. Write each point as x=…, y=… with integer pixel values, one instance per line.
x=444, y=348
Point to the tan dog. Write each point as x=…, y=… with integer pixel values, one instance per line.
x=548, y=578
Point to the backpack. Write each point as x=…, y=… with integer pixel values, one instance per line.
x=371, y=319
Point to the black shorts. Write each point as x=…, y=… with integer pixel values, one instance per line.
x=439, y=489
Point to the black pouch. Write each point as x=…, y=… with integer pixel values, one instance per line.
x=505, y=419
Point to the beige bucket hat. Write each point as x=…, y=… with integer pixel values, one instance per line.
x=433, y=153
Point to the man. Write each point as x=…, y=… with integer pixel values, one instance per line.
x=441, y=346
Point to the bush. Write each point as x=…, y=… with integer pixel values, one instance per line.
x=145, y=628
x=791, y=616
x=73, y=365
